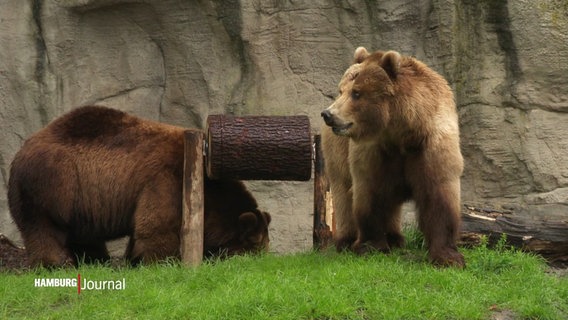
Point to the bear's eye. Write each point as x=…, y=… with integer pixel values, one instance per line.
x=355, y=94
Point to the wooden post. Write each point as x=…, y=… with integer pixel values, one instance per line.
x=191, y=242
x=322, y=235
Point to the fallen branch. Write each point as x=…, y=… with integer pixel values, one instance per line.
x=548, y=238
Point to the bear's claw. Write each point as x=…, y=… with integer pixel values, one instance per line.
x=447, y=258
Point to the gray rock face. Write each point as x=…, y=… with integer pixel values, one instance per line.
x=179, y=61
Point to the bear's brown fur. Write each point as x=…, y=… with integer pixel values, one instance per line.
x=392, y=135
x=97, y=174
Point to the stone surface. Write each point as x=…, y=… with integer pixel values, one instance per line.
x=179, y=61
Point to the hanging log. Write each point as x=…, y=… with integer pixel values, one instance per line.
x=259, y=148
x=546, y=237
x=322, y=236
x=191, y=235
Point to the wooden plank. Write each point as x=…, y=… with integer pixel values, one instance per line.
x=191, y=237
x=322, y=236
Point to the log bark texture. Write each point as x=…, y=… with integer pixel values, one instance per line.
x=548, y=238
x=259, y=148
x=191, y=235
x=322, y=235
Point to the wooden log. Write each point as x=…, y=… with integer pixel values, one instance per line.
x=259, y=148
x=548, y=238
x=191, y=236
x=322, y=236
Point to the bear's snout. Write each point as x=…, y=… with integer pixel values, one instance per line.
x=339, y=127
x=327, y=117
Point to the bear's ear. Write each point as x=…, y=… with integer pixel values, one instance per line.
x=360, y=54
x=267, y=217
x=247, y=221
x=390, y=62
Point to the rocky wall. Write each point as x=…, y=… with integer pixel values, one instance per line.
x=179, y=61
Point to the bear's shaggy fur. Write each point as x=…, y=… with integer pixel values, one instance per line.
x=97, y=174
x=392, y=135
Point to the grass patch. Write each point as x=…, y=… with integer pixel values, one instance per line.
x=313, y=285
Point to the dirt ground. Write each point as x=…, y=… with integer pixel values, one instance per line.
x=12, y=257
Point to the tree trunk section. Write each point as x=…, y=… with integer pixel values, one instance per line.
x=259, y=148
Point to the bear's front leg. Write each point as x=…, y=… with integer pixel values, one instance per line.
x=91, y=252
x=378, y=227
x=371, y=226
x=378, y=193
x=337, y=172
x=345, y=228
x=395, y=238
x=157, y=221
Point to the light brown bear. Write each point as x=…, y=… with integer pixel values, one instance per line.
x=392, y=135
x=97, y=174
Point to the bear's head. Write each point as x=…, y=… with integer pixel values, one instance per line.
x=365, y=93
x=248, y=235
x=253, y=236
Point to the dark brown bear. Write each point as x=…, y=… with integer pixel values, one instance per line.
x=392, y=135
x=97, y=174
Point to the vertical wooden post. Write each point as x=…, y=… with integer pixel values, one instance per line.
x=191, y=236
x=322, y=235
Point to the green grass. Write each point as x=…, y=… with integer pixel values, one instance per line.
x=324, y=285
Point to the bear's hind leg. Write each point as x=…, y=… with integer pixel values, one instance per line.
x=46, y=244
x=439, y=221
